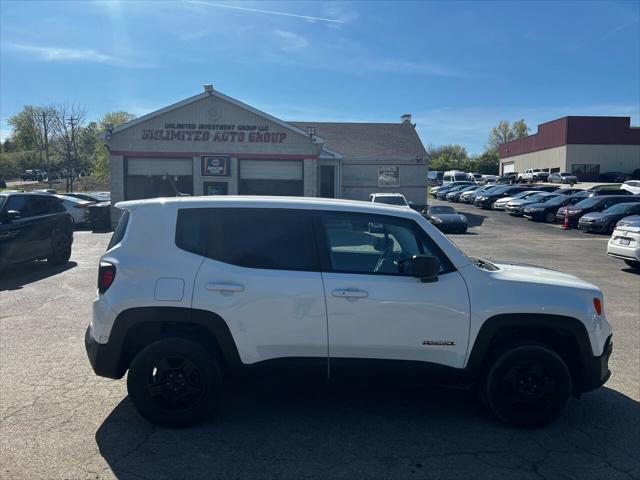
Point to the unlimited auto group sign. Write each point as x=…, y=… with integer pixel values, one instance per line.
x=210, y=132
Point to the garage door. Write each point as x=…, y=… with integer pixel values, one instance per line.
x=160, y=166
x=508, y=167
x=270, y=170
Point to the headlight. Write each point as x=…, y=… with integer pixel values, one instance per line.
x=535, y=209
x=573, y=212
x=436, y=220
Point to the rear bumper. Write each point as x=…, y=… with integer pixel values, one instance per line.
x=102, y=357
x=596, y=370
x=592, y=227
x=623, y=252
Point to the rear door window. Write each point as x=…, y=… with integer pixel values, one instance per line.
x=277, y=239
x=39, y=204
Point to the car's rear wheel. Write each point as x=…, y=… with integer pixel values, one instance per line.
x=60, y=249
x=527, y=386
x=174, y=382
x=550, y=217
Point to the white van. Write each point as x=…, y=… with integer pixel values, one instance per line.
x=454, y=176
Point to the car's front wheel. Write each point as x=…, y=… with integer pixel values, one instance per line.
x=174, y=382
x=527, y=386
x=60, y=249
x=550, y=217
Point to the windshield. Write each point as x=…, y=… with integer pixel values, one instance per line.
x=623, y=208
x=589, y=202
x=391, y=200
x=441, y=209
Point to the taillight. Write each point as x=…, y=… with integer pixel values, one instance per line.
x=597, y=304
x=106, y=276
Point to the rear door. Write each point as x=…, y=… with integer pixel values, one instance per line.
x=261, y=275
x=376, y=309
x=44, y=220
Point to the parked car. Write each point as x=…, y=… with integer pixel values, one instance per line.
x=34, y=226
x=446, y=219
x=78, y=209
x=237, y=284
x=486, y=179
x=591, y=204
x=501, y=203
x=532, y=175
x=434, y=177
x=508, y=178
x=396, y=199
x=568, y=191
x=563, y=177
x=454, y=196
x=474, y=177
x=89, y=196
x=442, y=193
x=546, y=188
x=434, y=191
x=547, y=211
x=596, y=191
x=516, y=207
x=487, y=199
x=34, y=175
x=470, y=197
x=632, y=186
x=615, y=177
x=625, y=241
x=3, y=184
x=635, y=175
x=605, y=221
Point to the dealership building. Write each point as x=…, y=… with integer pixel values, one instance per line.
x=584, y=146
x=212, y=144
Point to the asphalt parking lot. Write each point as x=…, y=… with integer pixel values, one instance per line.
x=58, y=420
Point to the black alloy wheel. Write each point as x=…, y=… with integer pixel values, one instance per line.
x=527, y=386
x=174, y=382
x=60, y=249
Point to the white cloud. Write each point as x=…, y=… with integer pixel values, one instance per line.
x=268, y=12
x=62, y=54
x=291, y=42
x=4, y=134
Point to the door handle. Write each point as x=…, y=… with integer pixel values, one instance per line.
x=349, y=293
x=224, y=287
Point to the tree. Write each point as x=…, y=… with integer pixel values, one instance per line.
x=100, y=155
x=504, y=132
x=447, y=157
x=520, y=129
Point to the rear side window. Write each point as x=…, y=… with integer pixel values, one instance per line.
x=39, y=204
x=120, y=230
x=277, y=239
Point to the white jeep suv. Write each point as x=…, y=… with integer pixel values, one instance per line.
x=192, y=290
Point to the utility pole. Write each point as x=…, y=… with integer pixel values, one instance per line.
x=72, y=123
x=46, y=148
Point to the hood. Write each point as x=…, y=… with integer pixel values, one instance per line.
x=537, y=205
x=595, y=216
x=533, y=274
x=451, y=217
x=505, y=200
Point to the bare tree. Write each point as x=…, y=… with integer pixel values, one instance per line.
x=66, y=124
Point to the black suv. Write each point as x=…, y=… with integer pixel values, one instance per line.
x=34, y=226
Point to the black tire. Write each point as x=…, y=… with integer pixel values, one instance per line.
x=550, y=217
x=175, y=383
x=527, y=386
x=633, y=264
x=60, y=249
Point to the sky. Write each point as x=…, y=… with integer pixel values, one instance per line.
x=458, y=67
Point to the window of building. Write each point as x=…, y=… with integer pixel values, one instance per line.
x=388, y=176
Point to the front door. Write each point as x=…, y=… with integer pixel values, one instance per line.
x=261, y=276
x=327, y=181
x=375, y=309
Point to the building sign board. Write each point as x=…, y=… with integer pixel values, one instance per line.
x=215, y=166
x=213, y=132
x=389, y=176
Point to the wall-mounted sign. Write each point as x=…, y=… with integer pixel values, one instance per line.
x=212, y=132
x=215, y=166
x=389, y=176
x=215, y=188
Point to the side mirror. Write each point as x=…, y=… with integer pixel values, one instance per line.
x=411, y=204
x=425, y=267
x=11, y=215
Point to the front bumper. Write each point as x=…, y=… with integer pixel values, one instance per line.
x=485, y=203
x=592, y=227
x=596, y=370
x=514, y=210
x=534, y=215
x=452, y=227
